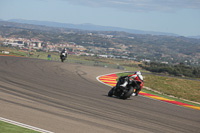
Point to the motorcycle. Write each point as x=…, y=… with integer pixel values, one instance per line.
x=63, y=57
x=124, y=91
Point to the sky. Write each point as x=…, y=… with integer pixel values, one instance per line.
x=181, y=17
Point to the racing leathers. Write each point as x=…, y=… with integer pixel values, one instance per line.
x=137, y=77
x=64, y=52
x=123, y=81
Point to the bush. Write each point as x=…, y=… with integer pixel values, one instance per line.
x=176, y=70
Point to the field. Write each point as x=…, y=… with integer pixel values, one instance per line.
x=10, y=128
x=174, y=88
x=181, y=88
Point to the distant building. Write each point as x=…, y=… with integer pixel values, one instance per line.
x=5, y=52
x=104, y=56
x=37, y=44
x=145, y=60
x=164, y=62
x=21, y=42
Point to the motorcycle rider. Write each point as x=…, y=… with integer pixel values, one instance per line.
x=64, y=51
x=137, y=76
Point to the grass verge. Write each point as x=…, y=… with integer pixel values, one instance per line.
x=10, y=128
x=182, y=90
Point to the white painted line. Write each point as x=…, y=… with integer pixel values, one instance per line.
x=102, y=82
x=24, y=125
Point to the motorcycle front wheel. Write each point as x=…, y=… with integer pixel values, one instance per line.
x=110, y=93
x=128, y=94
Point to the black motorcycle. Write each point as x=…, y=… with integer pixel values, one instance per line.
x=124, y=92
x=63, y=56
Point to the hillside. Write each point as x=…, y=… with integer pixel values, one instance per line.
x=88, y=26
x=172, y=49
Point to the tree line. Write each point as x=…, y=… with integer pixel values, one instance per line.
x=176, y=70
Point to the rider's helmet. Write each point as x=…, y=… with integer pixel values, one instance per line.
x=139, y=74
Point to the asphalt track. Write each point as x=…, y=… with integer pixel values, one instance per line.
x=62, y=98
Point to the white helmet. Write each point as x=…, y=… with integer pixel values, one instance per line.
x=139, y=74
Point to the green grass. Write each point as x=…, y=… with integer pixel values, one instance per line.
x=171, y=98
x=181, y=88
x=85, y=60
x=10, y=128
x=13, y=51
x=172, y=86
x=91, y=61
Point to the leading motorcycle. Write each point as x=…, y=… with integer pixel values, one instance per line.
x=124, y=91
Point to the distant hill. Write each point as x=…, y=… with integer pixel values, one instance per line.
x=196, y=37
x=87, y=26
x=172, y=49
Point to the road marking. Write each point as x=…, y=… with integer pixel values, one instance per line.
x=24, y=125
x=110, y=80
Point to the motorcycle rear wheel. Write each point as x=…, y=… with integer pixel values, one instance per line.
x=128, y=94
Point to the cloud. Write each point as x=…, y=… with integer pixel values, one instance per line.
x=140, y=5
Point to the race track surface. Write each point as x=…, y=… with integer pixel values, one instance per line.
x=62, y=97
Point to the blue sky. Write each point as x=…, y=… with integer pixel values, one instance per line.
x=172, y=16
